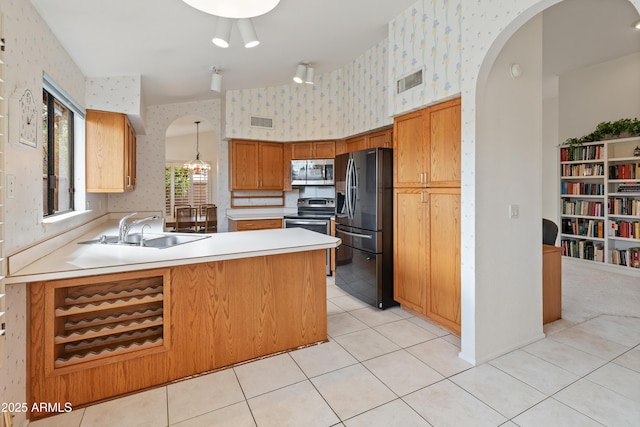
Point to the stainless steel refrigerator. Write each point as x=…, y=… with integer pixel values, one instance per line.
x=364, y=222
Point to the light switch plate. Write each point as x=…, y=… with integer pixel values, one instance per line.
x=514, y=211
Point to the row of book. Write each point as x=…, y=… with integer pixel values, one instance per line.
x=629, y=188
x=626, y=171
x=583, y=169
x=583, y=249
x=581, y=188
x=589, y=152
x=582, y=207
x=629, y=257
x=628, y=229
x=583, y=227
x=623, y=206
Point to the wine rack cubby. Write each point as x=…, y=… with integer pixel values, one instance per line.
x=102, y=319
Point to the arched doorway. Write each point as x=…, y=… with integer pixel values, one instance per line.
x=184, y=140
x=515, y=126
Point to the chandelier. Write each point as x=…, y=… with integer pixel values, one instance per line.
x=197, y=165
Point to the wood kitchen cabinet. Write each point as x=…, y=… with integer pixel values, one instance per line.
x=427, y=253
x=110, y=153
x=380, y=139
x=313, y=150
x=99, y=337
x=427, y=213
x=256, y=165
x=427, y=147
x=254, y=224
x=356, y=143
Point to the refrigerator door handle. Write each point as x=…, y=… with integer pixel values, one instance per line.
x=354, y=171
x=348, y=233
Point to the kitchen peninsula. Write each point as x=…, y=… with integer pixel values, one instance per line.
x=107, y=320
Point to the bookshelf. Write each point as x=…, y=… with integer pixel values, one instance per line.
x=600, y=202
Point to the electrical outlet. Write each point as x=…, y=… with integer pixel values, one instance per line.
x=11, y=186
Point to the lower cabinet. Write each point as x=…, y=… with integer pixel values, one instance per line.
x=254, y=224
x=427, y=253
x=98, y=337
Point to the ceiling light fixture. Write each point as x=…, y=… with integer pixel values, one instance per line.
x=304, y=73
x=216, y=79
x=234, y=8
x=636, y=24
x=223, y=32
x=301, y=72
x=248, y=33
x=309, y=75
x=197, y=165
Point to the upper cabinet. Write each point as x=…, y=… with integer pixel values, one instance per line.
x=381, y=139
x=256, y=165
x=313, y=150
x=110, y=153
x=427, y=147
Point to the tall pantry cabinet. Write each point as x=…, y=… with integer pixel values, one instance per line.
x=427, y=212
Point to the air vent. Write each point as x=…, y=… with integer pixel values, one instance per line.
x=261, y=122
x=410, y=81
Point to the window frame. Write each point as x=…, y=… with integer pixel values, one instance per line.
x=51, y=176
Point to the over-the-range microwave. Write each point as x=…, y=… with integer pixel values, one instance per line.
x=312, y=172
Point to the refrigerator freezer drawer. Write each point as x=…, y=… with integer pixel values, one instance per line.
x=367, y=240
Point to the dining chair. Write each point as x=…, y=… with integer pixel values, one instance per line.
x=185, y=219
x=210, y=215
x=203, y=208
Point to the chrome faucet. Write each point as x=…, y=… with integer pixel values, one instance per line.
x=125, y=226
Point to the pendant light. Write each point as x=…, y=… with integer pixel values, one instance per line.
x=197, y=165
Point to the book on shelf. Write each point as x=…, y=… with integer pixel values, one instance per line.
x=587, y=152
x=625, y=171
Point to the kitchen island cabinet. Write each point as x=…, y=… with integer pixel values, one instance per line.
x=211, y=309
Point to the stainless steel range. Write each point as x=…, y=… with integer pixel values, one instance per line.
x=314, y=213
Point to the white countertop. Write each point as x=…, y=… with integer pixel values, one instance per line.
x=75, y=259
x=261, y=213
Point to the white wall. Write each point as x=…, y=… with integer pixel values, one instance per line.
x=508, y=297
x=601, y=93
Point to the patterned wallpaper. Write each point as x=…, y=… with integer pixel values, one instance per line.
x=426, y=36
x=344, y=102
x=151, y=157
x=31, y=49
x=121, y=94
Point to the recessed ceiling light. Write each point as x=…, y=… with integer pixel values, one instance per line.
x=234, y=8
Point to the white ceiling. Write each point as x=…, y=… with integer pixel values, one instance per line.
x=168, y=43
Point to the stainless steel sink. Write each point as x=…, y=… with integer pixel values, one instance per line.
x=149, y=240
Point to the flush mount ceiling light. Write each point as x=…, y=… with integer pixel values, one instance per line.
x=636, y=24
x=234, y=8
x=197, y=165
x=216, y=79
x=304, y=73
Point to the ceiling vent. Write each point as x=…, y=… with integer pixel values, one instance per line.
x=410, y=81
x=261, y=122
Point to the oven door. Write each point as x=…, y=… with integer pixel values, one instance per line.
x=322, y=226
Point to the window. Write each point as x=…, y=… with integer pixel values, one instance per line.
x=57, y=156
x=184, y=187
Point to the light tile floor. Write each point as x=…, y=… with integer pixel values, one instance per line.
x=389, y=368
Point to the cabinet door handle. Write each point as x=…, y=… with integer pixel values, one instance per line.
x=128, y=181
